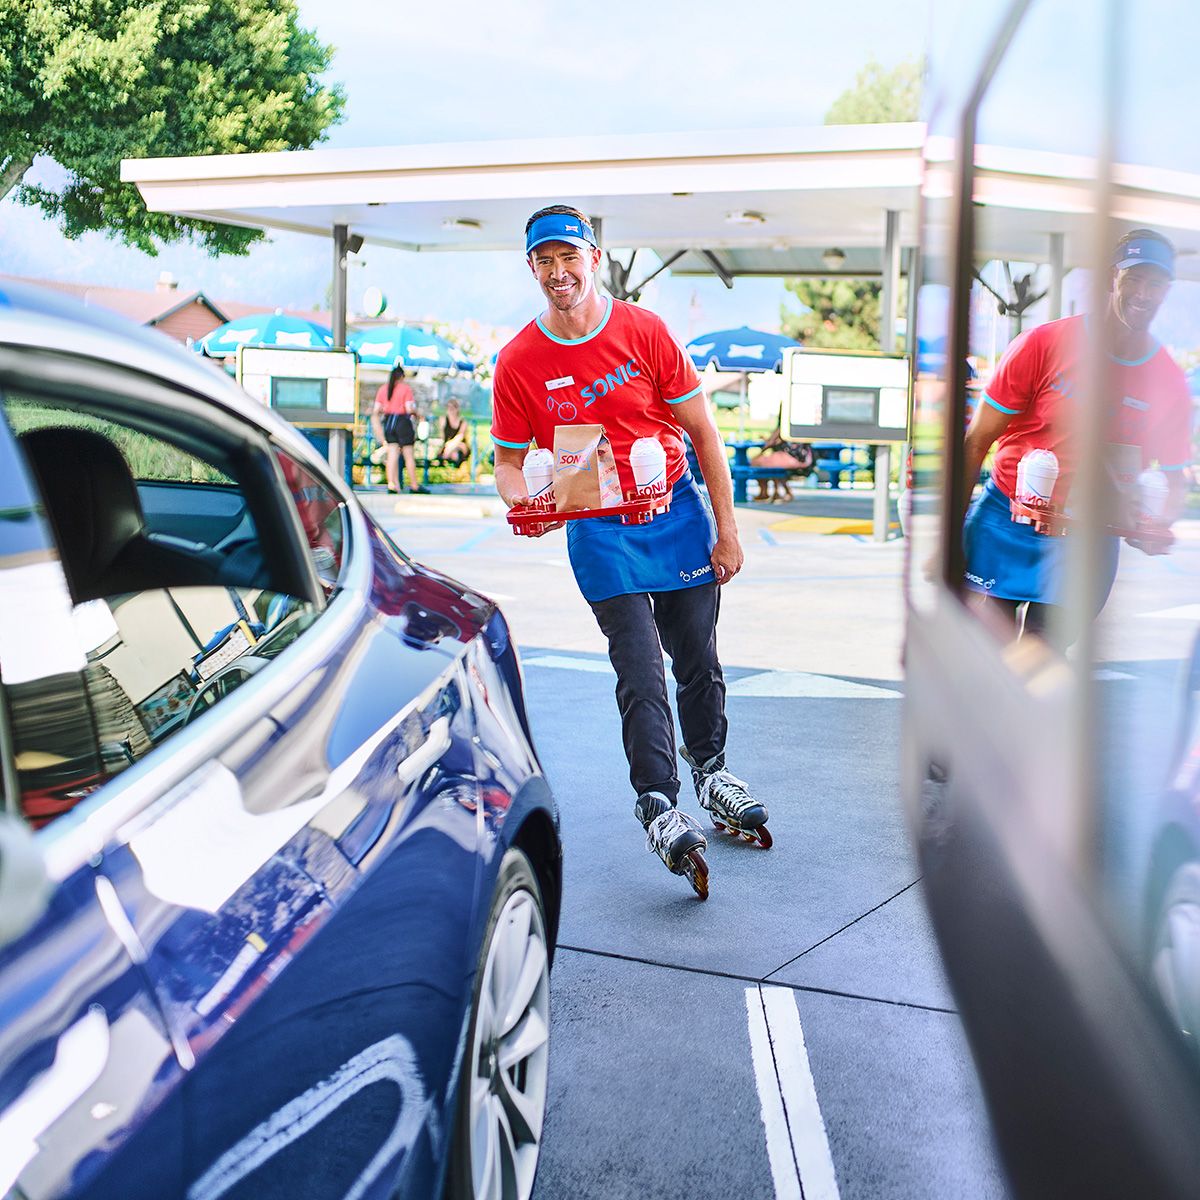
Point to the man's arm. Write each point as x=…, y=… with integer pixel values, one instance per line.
x=696, y=418
x=510, y=479
x=987, y=424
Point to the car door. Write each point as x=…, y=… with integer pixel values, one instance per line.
x=350, y=1055
x=89, y=1079
x=1054, y=821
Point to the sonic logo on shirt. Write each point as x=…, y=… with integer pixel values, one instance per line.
x=609, y=382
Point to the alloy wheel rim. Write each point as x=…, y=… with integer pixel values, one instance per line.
x=510, y=1055
x=1176, y=964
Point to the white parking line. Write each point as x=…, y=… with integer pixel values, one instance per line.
x=1182, y=612
x=560, y=662
x=797, y=1146
x=802, y=684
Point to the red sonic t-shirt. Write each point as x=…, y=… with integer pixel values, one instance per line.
x=625, y=375
x=1040, y=380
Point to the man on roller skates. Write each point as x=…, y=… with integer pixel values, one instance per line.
x=590, y=359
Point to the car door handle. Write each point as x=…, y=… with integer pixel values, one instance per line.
x=79, y=1059
x=416, y=763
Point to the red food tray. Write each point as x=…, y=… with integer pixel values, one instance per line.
x=641, y=511
x=1057, y=522
x=1154, y=539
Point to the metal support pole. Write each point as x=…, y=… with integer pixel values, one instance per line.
x=880, y=511
x=888, y=304
x=1055, y=294
x=913, y=256
x=889, y=297
x=338, y=439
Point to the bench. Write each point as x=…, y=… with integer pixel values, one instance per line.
x=830, y=460
x=742, y=475
x=426, y=454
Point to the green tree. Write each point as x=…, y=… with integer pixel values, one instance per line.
x=89, y=82
x=879, y=95
x=843, y=313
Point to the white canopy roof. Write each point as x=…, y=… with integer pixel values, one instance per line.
x=761, y=201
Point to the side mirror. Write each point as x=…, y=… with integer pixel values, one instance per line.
x=24, y=884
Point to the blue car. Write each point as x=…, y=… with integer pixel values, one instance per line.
x=280, y=874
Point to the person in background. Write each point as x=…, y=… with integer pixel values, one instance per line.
x=392, y=422
x=795, y=457
x=455, y=447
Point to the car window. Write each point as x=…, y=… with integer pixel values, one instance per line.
x=170, y=607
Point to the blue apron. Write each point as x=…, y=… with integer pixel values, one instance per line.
x=1014, y=562
x=671, y=552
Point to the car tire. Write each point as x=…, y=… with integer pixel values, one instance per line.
x=503, y=1082
x=1175, y=951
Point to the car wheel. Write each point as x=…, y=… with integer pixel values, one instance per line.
x=1175, y=962
x=502, y=1092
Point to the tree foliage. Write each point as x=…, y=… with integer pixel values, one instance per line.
x=89, y=82
x=843, y=313
x=879, y=95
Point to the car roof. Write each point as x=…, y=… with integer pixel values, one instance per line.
x=42, y=319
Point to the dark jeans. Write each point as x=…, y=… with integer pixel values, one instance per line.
x=638, y=628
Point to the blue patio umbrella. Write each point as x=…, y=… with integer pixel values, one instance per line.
x=408, y=345
x=742, y=349
x=265, y=329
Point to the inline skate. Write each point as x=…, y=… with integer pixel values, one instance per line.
x=728, y=801
x=676, y=838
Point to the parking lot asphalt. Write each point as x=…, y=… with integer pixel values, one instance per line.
x=795, y=1030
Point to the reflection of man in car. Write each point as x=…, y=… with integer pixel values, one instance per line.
x=1029, y=404
x=314, y=504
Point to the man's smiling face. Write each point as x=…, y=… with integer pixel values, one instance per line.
x=1138, y=293
x=565, y=273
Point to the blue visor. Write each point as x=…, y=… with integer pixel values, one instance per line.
x=1145, y=250
x=560, y=227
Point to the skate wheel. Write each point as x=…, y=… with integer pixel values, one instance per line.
x=763, y=835
x=718, y=826
x=696, y=870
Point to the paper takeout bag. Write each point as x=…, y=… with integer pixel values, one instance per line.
x=585, y=473
x=1123, y=462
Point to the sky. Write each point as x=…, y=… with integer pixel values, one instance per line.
x=527, y=68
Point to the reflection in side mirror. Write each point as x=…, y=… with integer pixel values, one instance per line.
x=24, y=884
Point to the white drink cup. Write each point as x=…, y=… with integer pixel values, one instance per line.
x=648, y=461
x=1152, y=492
x=538, y=469
x=1038, y=479
x=1020, y=519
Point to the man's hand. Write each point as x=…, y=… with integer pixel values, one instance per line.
x=1152, y=538
x=533, y=530
x=727, y=557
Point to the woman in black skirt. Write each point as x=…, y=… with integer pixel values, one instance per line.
x=392, y=421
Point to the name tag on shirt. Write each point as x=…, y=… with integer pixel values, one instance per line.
x=1134, y=402
x=552, y=385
